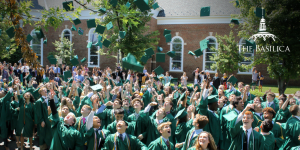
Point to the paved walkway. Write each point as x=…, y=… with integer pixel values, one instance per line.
x=13, y=146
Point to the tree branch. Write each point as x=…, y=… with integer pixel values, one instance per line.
x=83, y=5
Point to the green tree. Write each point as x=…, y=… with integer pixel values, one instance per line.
x=63, y=50
x=6, y=42
x=282, y=19
x=228, y=56
x=129, y=19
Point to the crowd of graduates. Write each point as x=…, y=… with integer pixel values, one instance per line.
x=70, y=108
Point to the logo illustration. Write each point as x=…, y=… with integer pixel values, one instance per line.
x=262, y=31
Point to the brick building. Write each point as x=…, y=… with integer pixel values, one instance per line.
x=187, y=29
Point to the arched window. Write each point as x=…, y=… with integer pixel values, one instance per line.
x=66, y=33
x=177, y=45
x=93, y=55
x=249, y=54
x=208, y=53
x=37, y=46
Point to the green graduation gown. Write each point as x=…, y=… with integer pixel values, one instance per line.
x=225, y=125
x=275, y=105
x=130, y=143
x=189, y=141
x=257, y=120
x=26, y=119
x=146, y=98
x=160, y=144
x=269, y=141
x=5, y=113
x=140, y=124
x=182, y=129
x=112, y=128
x=91, y=141
x=282, y=115
x=237, y=134
x=85, y=101
x=15, y=113
x=292, y=133
x=278, y=133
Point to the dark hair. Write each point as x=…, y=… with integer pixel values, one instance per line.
x=236, y=101
x=266, y=125
x=119, y=111
x=201, y=120
x=270, y=110
x=32, y=100
x=184, y=119
x=294, y=109
x=120, y=101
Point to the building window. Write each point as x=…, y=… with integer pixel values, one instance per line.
x=66, y=33
x=208, y=53
x=93, y=55
x=37, y=46
x=176, y=63
x=247, y=54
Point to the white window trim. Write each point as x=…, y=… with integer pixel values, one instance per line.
x=42, y=44
x=204, y=53
x=62, y=35
x=91, y=31
x=239, y=72
x=182, y=52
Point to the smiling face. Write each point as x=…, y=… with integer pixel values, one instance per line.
x=27, y=95
x=137, y=105
x=166, y=131
x=121, y=127
x=240, y=105
x=167, y=105
x=203, y=140
x=69, y=102
x=160, y=113
x=256, y=100
x=125, y=103
x=96, y=122
x=268, y=115
x=247, y=120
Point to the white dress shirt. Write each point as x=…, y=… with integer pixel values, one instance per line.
x=123, y=135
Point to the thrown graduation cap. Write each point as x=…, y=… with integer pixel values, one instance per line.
x=144, y=59
x=113, y=2
x=128, y=5
x=160, y=57
x=181, y=113
x=122, y=34
x=29, y=38
x=205, y=11
x=198, y=52
x=130, y=62
x=77, y=21
x=73, y=28
x=89, y=45
x=99, y=44
x=142, y=4
x=237, y=3
x=97, y=87
x=159, y=49
x=80, y=31
x=250, y=43
x=174, y=80
x=46, y=80
x=149, y=52
x=182, y=96
x=109, y=26
x=159, y=70
x=102, y=10
x=171, y=54
x=10, y=32
x=203, y=44
x=191, y=53
x=0, y=32
x=39, y=34
x=91, y=23
x=67, y=7
x=168, y=38
x=106, y=43
x=83, y=60
x=235, y=21
x=74, y=61
x=45, y=41
x=70, y=80
x=155, y=6
x=232, y=79
x=212, y=99
x=28, y=77
x=100, y=29
x=155, y=78
x=67, y=74
x=259, y=12
x=52, y=61
x=166, y=31
x=230, y=116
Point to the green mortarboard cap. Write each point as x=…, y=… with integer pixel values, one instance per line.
x=70, y=80
x=100, y=29
x=237, y=3
x=174, y=80
x=77, y=21
x=67, y=7
x=10, y=32
x=122, y=34
x=203, y=44
x=83, y=60
x=235, y=21
x=230, y=116
x=45, y=41
x=198, y=52
x=171, y=53
x=144, y=59
x=149, y=52
x=67, y=74
x=28, y=77
x=142, y=4
x=9, y=84
x=50, y=56
x=182, y=96
x=159, y=70
x=160, y=57
x=159, y=49
x=80, y=31
x=109, y=26
x=74, y=61
x=113, y=2
x=128, y=61
x=29, y=38
x=61, y=76
x=155, y=6
x=99, y=44
x=46, y=80
x=212, y=99
x=127, y=5
x=191, y=53
x=99, y=38
x=251, y=43
x=259, y=12
x=97, y=87
x=73, y=28
x=232, y=80
x=91, y=23
x=8, y=48
x=155, y=78
x=167, y=32
x=76, y=56
x=89, y=45
x=0, y=32
x=181, y=113
x=168, y=38
x=106, y=43
x=39, y=34
x=52, y=61
x=91, y=81
x=138, y=67
x=205, y=11
x=103, y=10
x=36, y=93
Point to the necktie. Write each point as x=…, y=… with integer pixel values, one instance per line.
x=95, y=142
x=83, y=120
x=121, y=136
x=168, y=144
x=245, y=144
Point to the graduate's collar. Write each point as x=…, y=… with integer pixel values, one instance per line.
x=198, y=131
x=265, y=133
x=165, y=139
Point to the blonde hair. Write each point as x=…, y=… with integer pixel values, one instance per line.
x=161, y=126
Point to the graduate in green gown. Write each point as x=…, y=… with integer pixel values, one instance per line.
x=205, y=141
x=163, y=142
x=15, y=111
x=269, y=139
x=270, y=102
x=242, y=133
x=128, y=110
x=123, y=141
x=119, y=115
x=183, y=125
x=65, y=136
x=5, y=114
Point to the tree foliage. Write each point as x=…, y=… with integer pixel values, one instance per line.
x=63, y=50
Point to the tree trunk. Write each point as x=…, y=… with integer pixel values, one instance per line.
x=282, y=84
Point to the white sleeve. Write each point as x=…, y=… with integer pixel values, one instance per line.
x=147, y=109
x=205, y=93
x=90, y=94
x=89, y=121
